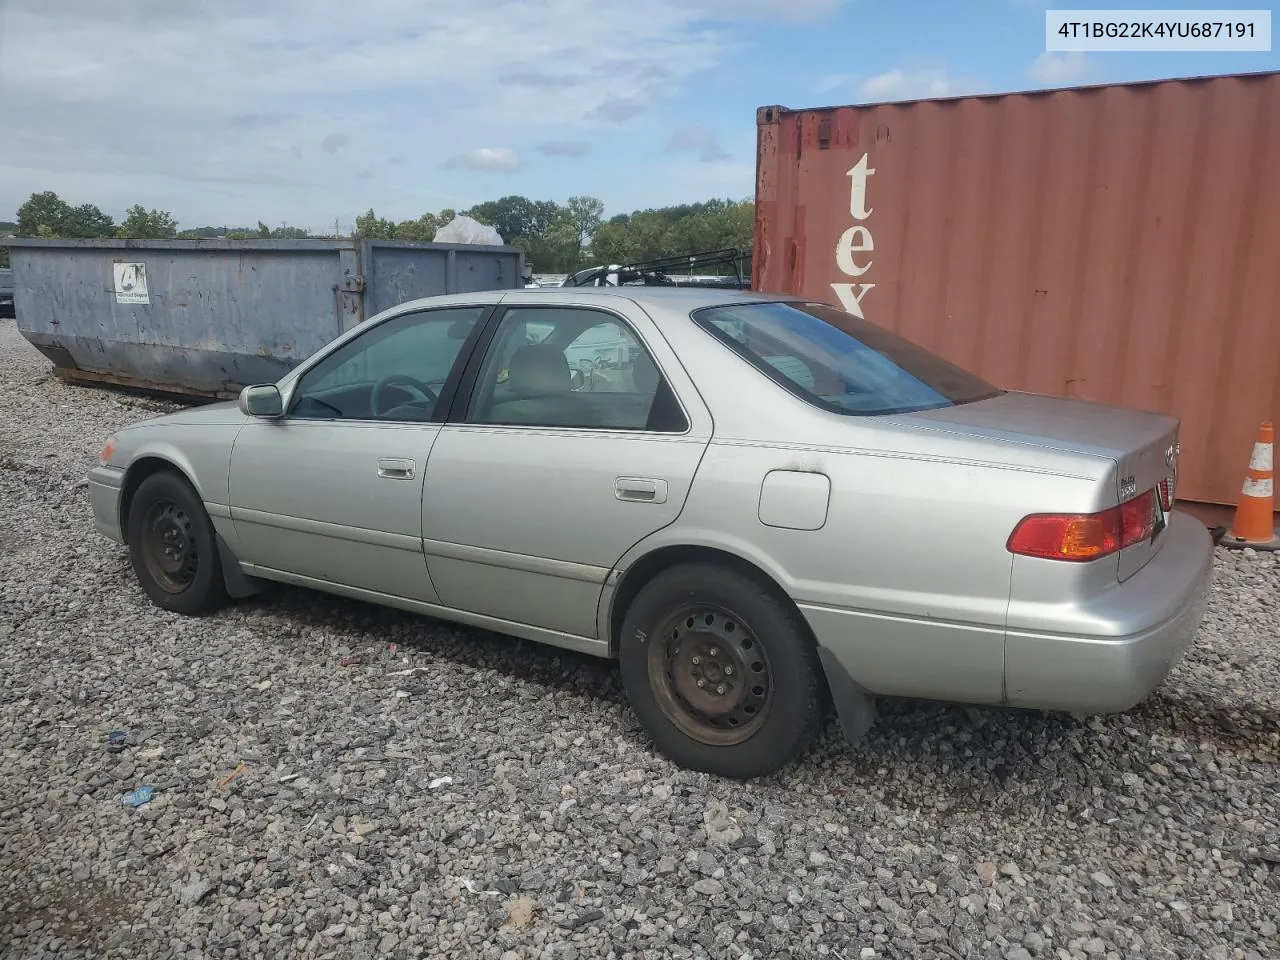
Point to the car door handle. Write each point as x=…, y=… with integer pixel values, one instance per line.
x=395, y=468
x=640, y=489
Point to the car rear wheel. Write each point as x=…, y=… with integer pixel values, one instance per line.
x=721, y=671
x=173, y=547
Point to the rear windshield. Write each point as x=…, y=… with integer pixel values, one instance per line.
x=838, y=362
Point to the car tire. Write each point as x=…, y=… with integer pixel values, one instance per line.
x=173, y=547
x=761, y=698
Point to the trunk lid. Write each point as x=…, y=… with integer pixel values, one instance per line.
x=1142, y=444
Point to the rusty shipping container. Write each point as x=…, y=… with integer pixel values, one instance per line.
x=1116, y=243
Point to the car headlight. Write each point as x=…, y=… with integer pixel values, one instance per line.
x=108, y=450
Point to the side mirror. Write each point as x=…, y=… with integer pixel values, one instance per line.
x=261, y=400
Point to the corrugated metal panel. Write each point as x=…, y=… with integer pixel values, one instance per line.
x=223, y=313
x=1117, y=243
x=397, y=272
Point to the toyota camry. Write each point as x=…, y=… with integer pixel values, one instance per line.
x=763, y=507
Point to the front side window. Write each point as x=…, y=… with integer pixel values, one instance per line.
x=393, y=372
x=839, y=362
x=571, y=367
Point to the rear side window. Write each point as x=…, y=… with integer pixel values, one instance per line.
x=840, y=363
x=572, y=367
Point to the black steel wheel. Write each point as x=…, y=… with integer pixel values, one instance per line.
x=710, y=675
x=721, y=671
x=173, y=547
x=168, y=546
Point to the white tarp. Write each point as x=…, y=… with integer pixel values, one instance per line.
x=465, y=230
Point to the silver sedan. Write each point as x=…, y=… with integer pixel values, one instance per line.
x=763, y=507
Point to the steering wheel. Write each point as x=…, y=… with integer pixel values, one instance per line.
x=402, y=379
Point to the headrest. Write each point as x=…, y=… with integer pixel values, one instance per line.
x=539, y=370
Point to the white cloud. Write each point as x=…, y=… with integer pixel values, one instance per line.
x=1061, y=69
x=243, y=109
x=334, y=142
x=618, y=110
x=795, y=10
x=835, y=81
x=900, y=84
x=698, y=140
x=677, y=179
x=490, y=159
x=564, y=148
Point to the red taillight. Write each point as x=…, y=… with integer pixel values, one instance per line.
x=1067, y=536
x=1137, y=519
x=1080, y=537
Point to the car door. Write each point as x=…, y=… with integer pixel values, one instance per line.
x=332, y=491
x=576, y=433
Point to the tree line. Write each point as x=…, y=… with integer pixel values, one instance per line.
x=556, y=238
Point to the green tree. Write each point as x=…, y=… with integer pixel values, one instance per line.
x=562, y=246
x=715, y=224
x=87, y=220
x=554, y=237
x=422, y=230
x=585, y=215
x=671, y=231
x=627, y=239
x=369, y=226
x=48, y=215
x=559, y=239
x=546, y=254
x=143, y=224
x=515, y=216
x=537, y=227
x=7, y=227
x=45, y=209
x=202, y=233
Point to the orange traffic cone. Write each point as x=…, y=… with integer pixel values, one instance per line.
x=1253, y=524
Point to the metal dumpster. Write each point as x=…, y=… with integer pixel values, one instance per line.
x=206, y=317
x=6, y=292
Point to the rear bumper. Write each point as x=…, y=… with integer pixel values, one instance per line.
x=1143, y=628
x=104, y=496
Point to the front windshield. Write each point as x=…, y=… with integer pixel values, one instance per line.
x=839, y=362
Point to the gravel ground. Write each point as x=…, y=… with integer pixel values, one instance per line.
x=336, y=780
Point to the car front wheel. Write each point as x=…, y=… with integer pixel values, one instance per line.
x=721, y=671
x=173, y=548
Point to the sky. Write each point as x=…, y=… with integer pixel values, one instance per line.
x=303, y=111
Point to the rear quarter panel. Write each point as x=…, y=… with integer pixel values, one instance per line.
x=907, y=580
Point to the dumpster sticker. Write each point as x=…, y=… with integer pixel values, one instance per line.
x=131, y=283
